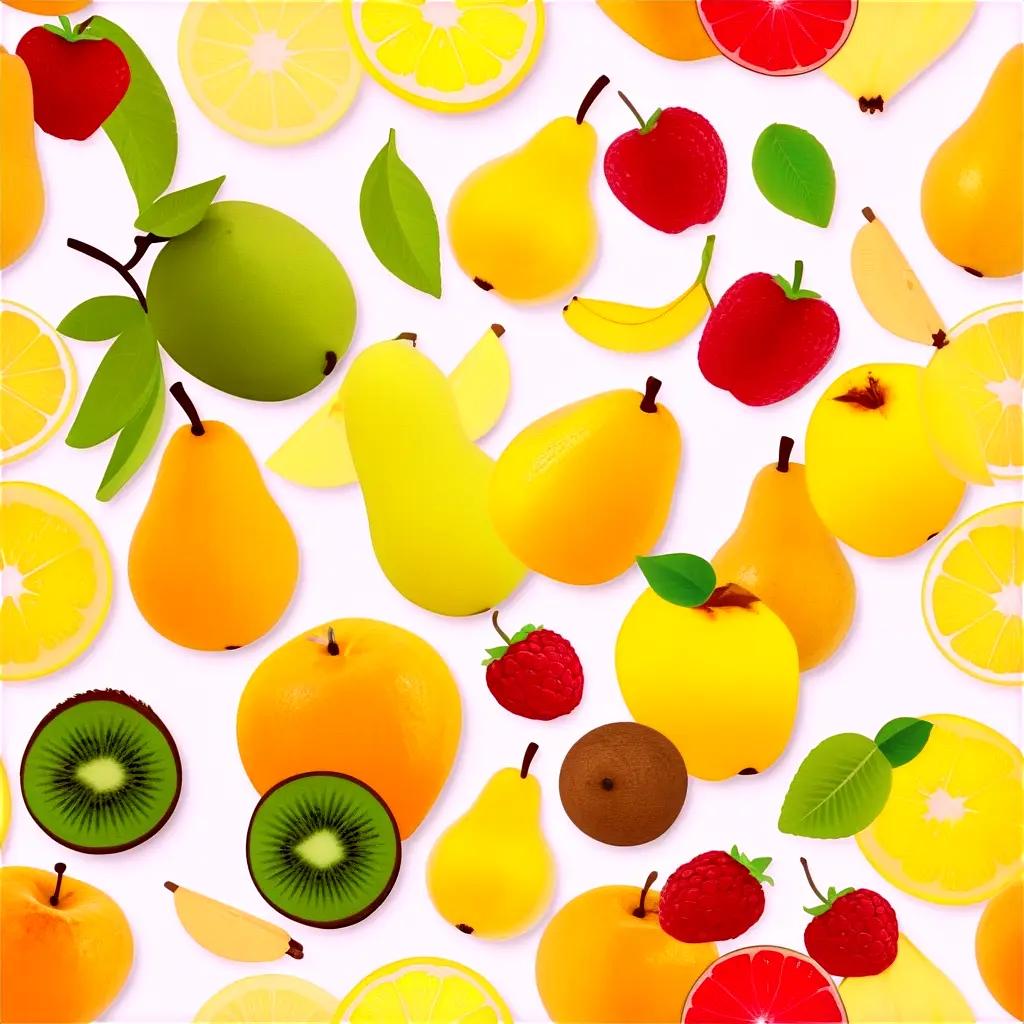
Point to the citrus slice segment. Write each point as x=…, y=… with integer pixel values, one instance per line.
x=952, y=830
x=268, y=999
x=272, y=73
x=56, y=578
x=971, y=596
x=37, y=381
x=426, y=990
x=447, y=55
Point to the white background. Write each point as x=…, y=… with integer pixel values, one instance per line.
x=888, y=666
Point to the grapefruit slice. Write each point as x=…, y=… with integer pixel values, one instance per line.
x=764, y=985
x=778, y=37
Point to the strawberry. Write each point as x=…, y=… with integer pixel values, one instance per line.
x=77, y=79
x=853, y=932
x=535, y=674
x=715, y=896
x=767, y=338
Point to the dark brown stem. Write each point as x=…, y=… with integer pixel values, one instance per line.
x=498, y=330
x=171, y=886
x=528, y=757
x=785, y=451
x=870, y=397
x=330, y=362
x=869, y=214
x=588, y=100
x=466, y=929
x=650, y=394
x=408, y=336
x=181, y=397
x=607, y=785
x=294, y=950
x=504, y=636
x=332, y=644
x=939, y=339
x=60, y=869
x=126, y=274
x=731, y=595
x=641, y=910
x=973, y=272
x=636, y=113
x=142, y=244
x=810, y=881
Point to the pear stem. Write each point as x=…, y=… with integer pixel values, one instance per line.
x=650, y=394
x=798, y=274
x=171, y=886
x=330, y=362
x=785, y=451
x=180, y=396
x=810, y=881
x=504, y=636
x=869, y=214
x=60, y=869
x=641, y=910
x=332, y=644
x=588, y=100
x=528, y=757
x=633, y=110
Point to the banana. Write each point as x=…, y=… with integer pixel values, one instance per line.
x=889, y=288
x=228, y=932
x=625, y=328
x=892, y=43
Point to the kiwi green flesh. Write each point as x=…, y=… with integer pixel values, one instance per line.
x=323, y=849
x=101, y=773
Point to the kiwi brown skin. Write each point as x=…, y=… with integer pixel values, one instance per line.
x=623, y=784
x=385, y=892
x=113, y=697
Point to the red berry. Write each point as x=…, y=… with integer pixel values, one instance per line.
x=853, y=933
x=715, y=896
x=536, y=675
x=77, y=81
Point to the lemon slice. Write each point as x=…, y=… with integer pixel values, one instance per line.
x=447, y=55
x=973, y=391
x=56, y=578
x=276, y=73
x=37, y=381
x=269, y=999
x=952, y=830
x=971, y=596
x=425, y=990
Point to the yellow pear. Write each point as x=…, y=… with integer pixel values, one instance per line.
x=21, y=183
x=492, y=873
x=783, y=552
x=972, y=200
x=213, y=563
x=523, y=224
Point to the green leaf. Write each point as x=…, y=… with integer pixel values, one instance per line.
x=685, y=580
x=178, y=212
x=794, y=173
x=495, y=653
x=142, y=127
x=840, y=788
x=135, y=441
x=101, y=318
x=902, y=739
x=399, y=221
x=119, y=388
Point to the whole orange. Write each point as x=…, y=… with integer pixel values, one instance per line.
x=999, y=947
x=360, y=697
x=48, y=6
x=65, y=962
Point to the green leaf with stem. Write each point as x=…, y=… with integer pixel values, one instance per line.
x=136, y=441
x=681, y=579
x=101, y=318
x=178, y=212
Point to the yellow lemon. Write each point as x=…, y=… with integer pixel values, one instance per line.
x=273, y=73
x=972, y=595
x=447, y=55
x=426, y=990
x=56, y=581
x=37, y=381
x=952, y=830
x=268, y=999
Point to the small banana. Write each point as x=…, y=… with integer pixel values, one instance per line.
x=228, y=932
x=889, y=288
x=625, y=328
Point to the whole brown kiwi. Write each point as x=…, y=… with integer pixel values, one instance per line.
x=623, y=784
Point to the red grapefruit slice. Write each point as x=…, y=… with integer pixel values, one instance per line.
x=764, y=985
x=778, y=37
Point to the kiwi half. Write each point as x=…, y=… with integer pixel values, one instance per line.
x=323, y=849
x=101, y=773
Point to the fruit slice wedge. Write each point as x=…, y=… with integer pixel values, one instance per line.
x=37, y=381
x=5, y=803
x=951, y=831
x=447, y=55
x=764, y=985
x=426, y=990
x=272, y=73
x=971, y=596
x=56, y=577
x=268, y=999
x=778, y=37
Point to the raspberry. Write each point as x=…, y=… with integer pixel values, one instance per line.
x=536, y=674
x=853, y=933
x=715, y=896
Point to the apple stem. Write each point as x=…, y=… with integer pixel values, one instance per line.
x=528, y=757
x=705, y=259
x=785, y=450
x=180, y=396
x=650, y=394
x=504, y=636
x=332, y=643
x=810, y=881
x=60, y=868
x=588, y=100
x=798, y=274
x=641, y=910
x=636, y=113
